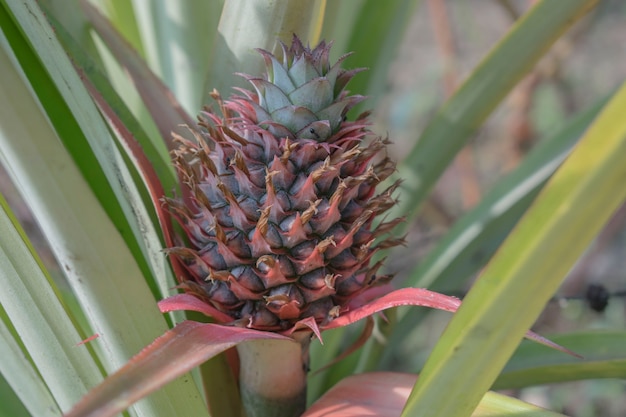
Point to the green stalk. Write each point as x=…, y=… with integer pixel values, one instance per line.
x=273, y=376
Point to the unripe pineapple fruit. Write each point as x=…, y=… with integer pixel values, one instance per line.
x=280, y=207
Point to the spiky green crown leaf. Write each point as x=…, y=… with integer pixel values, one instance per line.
x=303, y=96
x=282, y=196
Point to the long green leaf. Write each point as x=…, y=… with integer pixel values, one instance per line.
x=74, y=23
x=29, y=298
x=165, y=110
x=81, y=129
x=122, y=15
x=23, y=379
x=473, y=239
x=161, y=162
x=245, y=26
x=603, y=357
x=526, y=271
x=178, y=37
x=464, y=112
x=103, y=273
x=134, y=140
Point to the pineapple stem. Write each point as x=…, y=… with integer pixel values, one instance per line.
x=273, y=376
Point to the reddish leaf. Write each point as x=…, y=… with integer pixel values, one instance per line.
x=425, y=298
x=186, y=346
x=385, y=394
x=369, y=295
x=362, y=339
x=546, y=342
x=89, y=339
x=188, y=302
x=306, y=323
x=369, y=394
x=402, y=297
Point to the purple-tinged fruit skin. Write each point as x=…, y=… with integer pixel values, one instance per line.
x=279, y=223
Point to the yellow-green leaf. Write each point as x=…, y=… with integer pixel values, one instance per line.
x=527, y=270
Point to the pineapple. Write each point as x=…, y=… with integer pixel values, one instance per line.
x=280, y=202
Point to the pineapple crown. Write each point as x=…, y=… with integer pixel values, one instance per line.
x=280, y=198
x=303, y=96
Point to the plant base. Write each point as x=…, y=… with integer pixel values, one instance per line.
x=273, y=376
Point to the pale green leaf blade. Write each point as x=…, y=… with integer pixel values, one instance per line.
x=29, y=299
x=95, y=259
x=165, y=110
x=499, y=405
x=122, y=15
x=74, y=22
x=88, y=68
x=59, y=114
x=527, y=270
x=466, y=110
x=88, y=139
x=82, y=130
x=603, y=357
x=178, y=37
x=23, y=379
x=245, y=26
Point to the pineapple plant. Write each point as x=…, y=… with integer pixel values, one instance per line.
x=271, y=245
x=281, y=199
